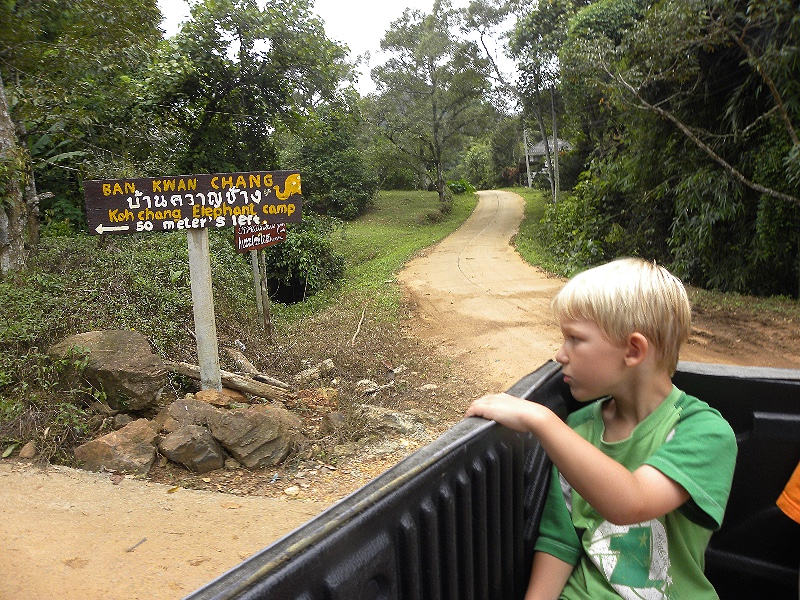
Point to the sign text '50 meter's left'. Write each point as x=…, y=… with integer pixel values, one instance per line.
x=192, y=201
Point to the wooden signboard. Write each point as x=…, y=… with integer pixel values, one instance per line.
x=195, y=203
x=256, y=237
x=192, y=201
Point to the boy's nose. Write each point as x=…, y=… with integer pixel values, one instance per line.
x=561, y=355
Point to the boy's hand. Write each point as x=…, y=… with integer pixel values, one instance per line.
x=507, y=410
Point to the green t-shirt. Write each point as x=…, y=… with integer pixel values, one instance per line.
x=689, y=442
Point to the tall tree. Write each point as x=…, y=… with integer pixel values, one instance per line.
x=431, y=88
x=16, y=214
x=233, y=72
x=535, y=44
x=63, y=64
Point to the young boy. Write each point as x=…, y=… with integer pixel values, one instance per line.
x=641, y=478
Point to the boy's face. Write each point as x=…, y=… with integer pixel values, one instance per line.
x=593, y=366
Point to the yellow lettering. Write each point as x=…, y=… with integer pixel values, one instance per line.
x=169, y=185
x=241, y=182
x=106, y=189
x=215, y=183
x=255, y=180
x=181, y=185
x=191, y=184
x=156, y=185
x=227, y=182
x=130, y=187
x=268, y=180
x=117, y=189
x=290, y=208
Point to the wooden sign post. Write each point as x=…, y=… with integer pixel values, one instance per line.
x=205, y=324
x=254, y=238
x=195, y=203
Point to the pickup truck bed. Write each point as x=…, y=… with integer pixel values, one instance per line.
x=458, y=518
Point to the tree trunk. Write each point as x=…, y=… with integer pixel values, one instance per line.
x=232, y=381
x=556, y=148
x=15, y=215
x=543, y=131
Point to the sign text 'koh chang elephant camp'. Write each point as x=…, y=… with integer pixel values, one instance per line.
x=193, y=201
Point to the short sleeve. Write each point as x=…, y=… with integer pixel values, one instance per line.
x=557, y=535
x=700, y=454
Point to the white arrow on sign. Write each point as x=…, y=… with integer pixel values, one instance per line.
x=101, y=229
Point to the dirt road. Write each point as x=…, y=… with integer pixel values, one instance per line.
x=75, y=535
x=479, y=301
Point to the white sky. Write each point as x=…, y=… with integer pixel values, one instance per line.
x=360, y=24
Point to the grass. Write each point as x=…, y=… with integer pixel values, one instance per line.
x=377, y=244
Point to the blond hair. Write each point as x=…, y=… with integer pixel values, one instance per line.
x=630, y=295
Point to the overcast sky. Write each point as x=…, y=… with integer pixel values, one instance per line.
x=360, y=24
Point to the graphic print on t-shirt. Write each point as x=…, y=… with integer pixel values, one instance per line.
x=634, y=558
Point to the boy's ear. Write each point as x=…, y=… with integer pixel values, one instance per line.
x=637, y=349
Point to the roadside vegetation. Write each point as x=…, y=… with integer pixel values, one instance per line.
x=85, y=283
x=538, y=243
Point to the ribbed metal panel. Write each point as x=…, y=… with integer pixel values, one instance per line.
x=458, y=519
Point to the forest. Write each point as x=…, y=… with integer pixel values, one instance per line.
x=669, y=127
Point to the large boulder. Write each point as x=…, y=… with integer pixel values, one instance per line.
x=121, y=363
x=194, y=447
x=132, y=449
x=187, y=411
x=257, y=436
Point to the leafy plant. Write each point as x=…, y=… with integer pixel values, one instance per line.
x=461, y=186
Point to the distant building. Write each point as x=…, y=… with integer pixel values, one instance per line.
x=538, y=148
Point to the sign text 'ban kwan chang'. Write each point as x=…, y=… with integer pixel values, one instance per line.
x=193, y=201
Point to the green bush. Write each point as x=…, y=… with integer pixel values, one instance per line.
x=306, y=262
x=461, y=186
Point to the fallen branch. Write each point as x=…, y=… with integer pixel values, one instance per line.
x=232, y=381
x=363, y=311
x=244, y=365
x=136, y=545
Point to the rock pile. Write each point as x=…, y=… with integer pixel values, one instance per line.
x=209, y=429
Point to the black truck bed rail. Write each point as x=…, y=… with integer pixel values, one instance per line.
x=458, y=518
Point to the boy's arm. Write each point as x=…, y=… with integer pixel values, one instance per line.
x=548, y=577
x=620, y=496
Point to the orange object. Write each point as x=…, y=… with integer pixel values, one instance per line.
x=789, y=500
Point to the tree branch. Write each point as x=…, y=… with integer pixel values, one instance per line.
x=730, y=169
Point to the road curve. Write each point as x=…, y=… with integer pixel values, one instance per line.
x=474, y=296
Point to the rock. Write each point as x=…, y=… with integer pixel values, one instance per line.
x=292, y=491
x=257, y=436
x=422, y=416
x=221, y=399
x=315, y=372
x=122, y=419
x=28, y=451
x=194, y=447
x=188, y=411
x=389, y=420
x=121, y=363
x=366, y=386
x=331, y=422
x=428, y=387
x=131, y=449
